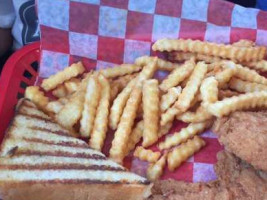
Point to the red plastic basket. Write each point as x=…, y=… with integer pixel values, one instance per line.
x=20, y=71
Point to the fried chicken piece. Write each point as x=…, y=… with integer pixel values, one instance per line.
x=245, y=135
x=236, y=180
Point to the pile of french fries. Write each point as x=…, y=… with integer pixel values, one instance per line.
x=205, y=81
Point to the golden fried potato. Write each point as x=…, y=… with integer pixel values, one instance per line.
x=178, y=75
x=161, y=64
x=69, y=72
x=224, y=76
x=155, y=170
x=120, y=70
x=186, y=133
x=259, y=65
x=182, y=56
x=60, y=91
x=151, y=112
x=34, y=94
x=227, y=93
x=169, y=98
x=91, y=102
x=146, y=154
x=241, y=102
x=209, y=90
x=100, y=128
x=135, y=136
x=200, y=115
x=122, y=134
x=245, y=86
x=212, y=49
x=181, y=153
x=72, y=85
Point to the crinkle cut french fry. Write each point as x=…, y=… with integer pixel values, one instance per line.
x=120, y=70
x=226, y=74
x=98, y=135
x=200, y=115
x=91, y=101
x=34, y=94
x=72, y=111
x=72, y=85
x=245, y=86
x=241, y=102
x=69, y=72
x=191, y=88
x=186, y=133
x=227, y=93
x=119, y=84
x=178, y=75
x=260, y=65
x=155, y=170
x=135, y=136
x=163, y=130
x=207, y=48
x=250, y=75
x=169, y=115
x=182, y=56
x=151, y=112
x=54, y=106
x=209, y=90
x=244, y=43
x=146, y=154
x=181, y=153
x=60, y=91
x=161, y=64
x=122, y=134
x=120, y=101
x=169, y=98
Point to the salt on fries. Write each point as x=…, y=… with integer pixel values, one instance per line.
x=213, y=81
x=147, y=155
x=151, y=112
x=181, y=153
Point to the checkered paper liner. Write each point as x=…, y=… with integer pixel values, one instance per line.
x=104, y=33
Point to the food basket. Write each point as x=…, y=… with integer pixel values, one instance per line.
x=20, y=71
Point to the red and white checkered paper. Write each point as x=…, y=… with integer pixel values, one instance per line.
x=104, y=33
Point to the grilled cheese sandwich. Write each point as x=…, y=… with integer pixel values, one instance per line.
x=40, y=160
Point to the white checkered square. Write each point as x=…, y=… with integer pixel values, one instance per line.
x=52, y=62
x=103, y=65
x=145, y=6
x=165, y=27
x=209, y=134
x=56, y=16
x=112, y=22
x=83, y=45
x=261, y=37
x=203, y=172
x=195, y=10
x=219, y=34
x=244, y=17
x=134, y=49
x=97, y=2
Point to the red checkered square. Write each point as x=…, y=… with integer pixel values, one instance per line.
x=110, y=49
x=209, y=152
x=88, y=63
x=54, y=39
x=184, y=172
x=187, y=26
x=171, y=8
x=115, y=3
x=220, y=12
x=139, y=26
x=244, y=33
x=88, y=15
x=262, y=20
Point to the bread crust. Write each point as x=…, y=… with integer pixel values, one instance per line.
x=43, y=191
